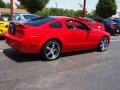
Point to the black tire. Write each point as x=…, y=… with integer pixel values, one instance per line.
x=51, y=50
x=103, y=44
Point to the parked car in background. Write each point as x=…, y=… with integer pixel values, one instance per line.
x=23, y=17
x=53, y=35
x=110, y=26
x=117, y=21
x=3, y=26
x=92, y=23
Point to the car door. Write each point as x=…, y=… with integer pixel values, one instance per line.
x=79, y=35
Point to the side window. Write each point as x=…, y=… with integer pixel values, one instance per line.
x=56, y=25
x=16, y=18
x=74, y=24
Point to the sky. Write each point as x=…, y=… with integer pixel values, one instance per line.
x=73, y=4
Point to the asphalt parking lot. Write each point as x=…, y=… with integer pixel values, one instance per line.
x=88, y=70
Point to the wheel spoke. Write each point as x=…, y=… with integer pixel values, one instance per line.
x=53, y=56
x=102, y=44
x=49, y=53
x=48, y=48
x=55, y=50
x=103, y=48
x=53, y=45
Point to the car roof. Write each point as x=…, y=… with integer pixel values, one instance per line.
x=60, y=17
x=25, y=14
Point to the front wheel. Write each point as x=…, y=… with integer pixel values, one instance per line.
x=103, y=44
x=51, y=50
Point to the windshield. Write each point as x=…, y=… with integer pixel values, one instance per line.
x=29, y=17
x=108, y=21
x=117, y=20
x=39, y=21
x=1, y=19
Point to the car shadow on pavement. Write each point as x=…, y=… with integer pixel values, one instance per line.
x=77, y=53
x=2, y=38
x=19, y=57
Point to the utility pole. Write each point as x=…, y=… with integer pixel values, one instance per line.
x=84, y=8
x=11, y=9
x=56, y=4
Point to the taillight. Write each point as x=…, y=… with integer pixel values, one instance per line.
x=16, y=29
x=99, y=27
x=96, y=26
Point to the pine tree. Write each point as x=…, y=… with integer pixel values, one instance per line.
x=106, y=8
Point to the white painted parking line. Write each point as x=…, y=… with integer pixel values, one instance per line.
x=114, y=40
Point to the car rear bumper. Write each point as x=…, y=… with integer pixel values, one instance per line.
x=114, y=31
x=22, y=45
x=3, y=31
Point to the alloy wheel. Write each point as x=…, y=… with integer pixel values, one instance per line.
x=52, y=50
x=104, y=43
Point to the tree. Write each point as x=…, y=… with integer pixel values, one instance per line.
x=34, y=5
x=7, y=5
x=78, y=13
x=92, y=14
x=59, y=12
x=106, y=8
x=2, y=4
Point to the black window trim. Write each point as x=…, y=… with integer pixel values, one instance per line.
x=87, y=27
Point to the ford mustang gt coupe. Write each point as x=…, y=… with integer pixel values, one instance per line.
x=53, y=35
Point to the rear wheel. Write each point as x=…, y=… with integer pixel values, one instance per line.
x=103, y=44
x=51, y=50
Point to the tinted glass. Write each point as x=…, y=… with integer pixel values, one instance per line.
x=90, y=20
x=29, y=17
x=117, y=20
x=1, y=19
x=108, y=21
x=39, y=21
x=74, y=24
x=56, y=25
x=16, y=18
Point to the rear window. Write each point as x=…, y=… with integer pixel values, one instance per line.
x=90, y=20
x=39, y=21
x=29, y=17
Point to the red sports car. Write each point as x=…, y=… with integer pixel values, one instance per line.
x=92, y=23
x=50, y=36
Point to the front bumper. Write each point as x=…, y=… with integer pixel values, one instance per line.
x=116, y=31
